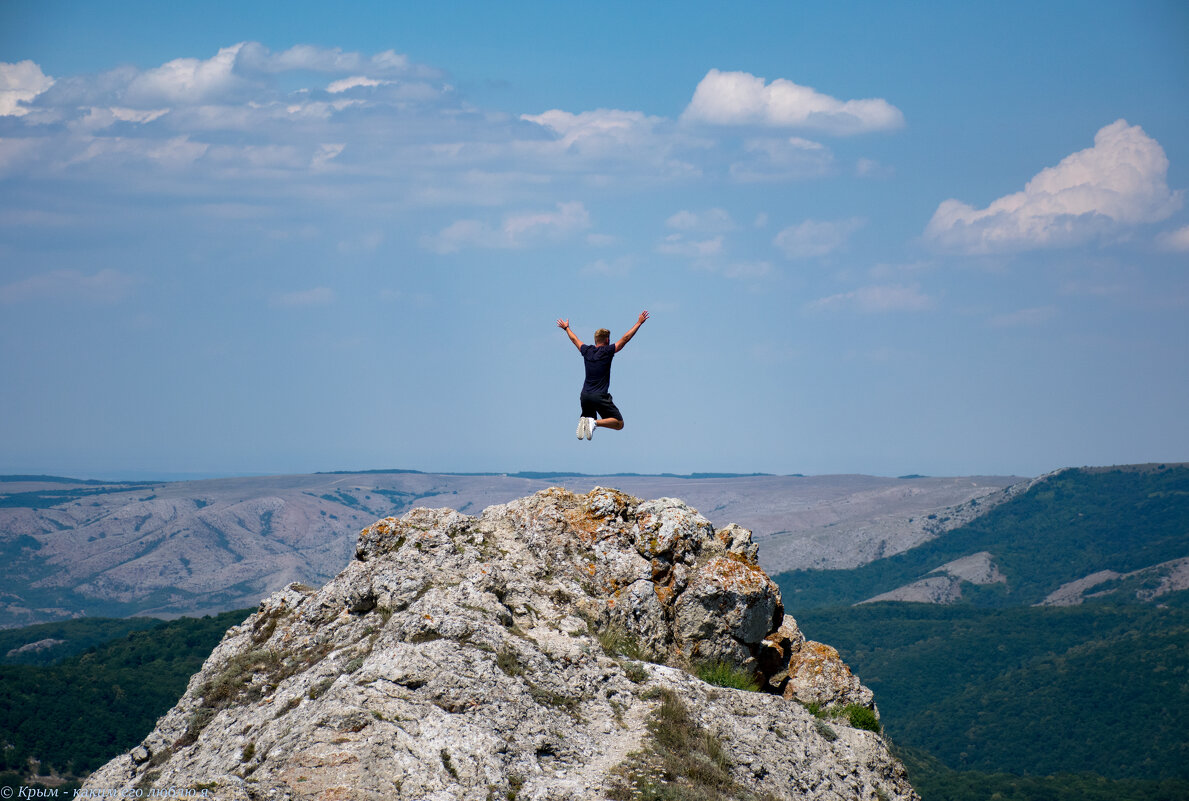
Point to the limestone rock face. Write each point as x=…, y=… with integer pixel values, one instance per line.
x=517, y=654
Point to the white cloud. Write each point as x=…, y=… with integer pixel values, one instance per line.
x=343, y=84
x=569, y=217
x=1095, y=193
x=815, y=238
x=606, y=142
x=104, y=286
x=516, y=230
x=870, y=168
x=1176, y=240
x=740, y=98
x=707, y=222
x=874, y=299
x=20, y=83
x=255, y=57
x=678, y=245
x=188, y=80
x=781, y=160
x=327, y=152
x=318, y=296
x=596, y=130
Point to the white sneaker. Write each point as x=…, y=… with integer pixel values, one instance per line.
x=582, y=430
x=590, y=427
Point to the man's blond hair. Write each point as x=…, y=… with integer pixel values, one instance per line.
x=602, y=336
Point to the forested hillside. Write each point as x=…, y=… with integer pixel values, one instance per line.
x=993, y=697
x=74, y=716
x=1068, y=526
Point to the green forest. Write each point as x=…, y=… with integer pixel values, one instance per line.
x=73, y=716
x=995, y=698
x=69, y=637
x=1037, y=691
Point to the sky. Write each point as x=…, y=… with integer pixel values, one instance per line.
x=883, y=238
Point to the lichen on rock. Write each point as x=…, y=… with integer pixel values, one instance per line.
x=520, y=654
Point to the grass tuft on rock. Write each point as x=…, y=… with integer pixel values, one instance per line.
x=681, y=761
x=724, y=674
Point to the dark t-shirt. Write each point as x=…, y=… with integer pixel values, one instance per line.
x=598, y=368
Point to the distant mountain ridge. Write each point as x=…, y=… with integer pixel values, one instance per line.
x=69, y=548
x=1122, y=530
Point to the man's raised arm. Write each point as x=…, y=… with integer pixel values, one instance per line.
x=626, y=338
x=565, y=326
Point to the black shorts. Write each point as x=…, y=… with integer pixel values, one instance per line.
x=599, y=406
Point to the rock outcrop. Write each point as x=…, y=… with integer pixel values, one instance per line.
x=546, y=649
x=943, y=585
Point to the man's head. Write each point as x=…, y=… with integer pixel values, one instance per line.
x=602, y=336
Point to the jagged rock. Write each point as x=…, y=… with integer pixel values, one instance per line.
x=817, y=675
x=466, y=657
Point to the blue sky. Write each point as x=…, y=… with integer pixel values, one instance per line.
x=877, y=238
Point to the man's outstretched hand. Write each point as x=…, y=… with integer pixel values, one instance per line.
x=643, y=316
x=563, y=323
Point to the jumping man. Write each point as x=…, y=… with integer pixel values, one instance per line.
x=597, y=407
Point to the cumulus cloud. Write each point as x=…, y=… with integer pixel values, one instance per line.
x=104, y=286
x=19, y=83
x=516, y=230
x=740, y=98
x=377, y=132
x=815, y=238
x=1096, y=193
x=187, y=80
x=875, y=299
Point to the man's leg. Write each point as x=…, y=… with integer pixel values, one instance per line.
x=609, y=414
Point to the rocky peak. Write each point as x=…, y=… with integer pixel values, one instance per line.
x=544, y=649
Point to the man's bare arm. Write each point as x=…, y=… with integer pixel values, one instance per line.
x=565, y=326
x=626, y=338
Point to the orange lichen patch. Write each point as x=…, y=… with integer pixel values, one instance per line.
x=339, y=793
x=736, y=575
x=817, y=658
x=664, y=593
x=583, y=524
